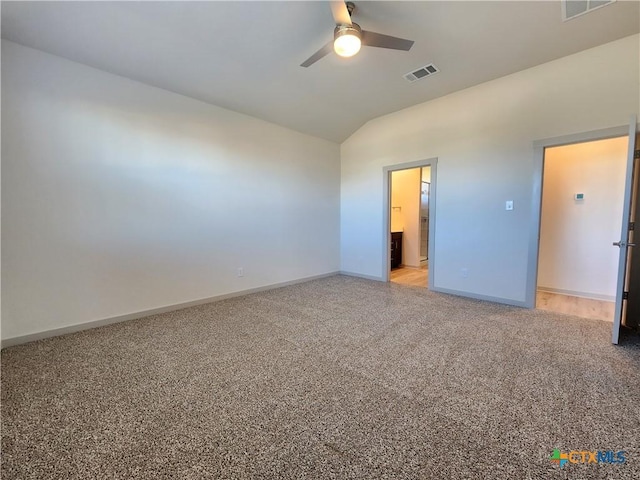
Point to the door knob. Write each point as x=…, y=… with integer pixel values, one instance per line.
x=622, y=244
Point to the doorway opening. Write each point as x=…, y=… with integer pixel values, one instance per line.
x=581, y=215
x=409, y=223
x=425, y=192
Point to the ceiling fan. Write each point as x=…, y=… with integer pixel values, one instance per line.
x=348, y=37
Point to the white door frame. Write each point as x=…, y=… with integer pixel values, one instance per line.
x=386, y=214
x=539, y=147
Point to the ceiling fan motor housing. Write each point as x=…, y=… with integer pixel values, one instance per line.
x=353, y=29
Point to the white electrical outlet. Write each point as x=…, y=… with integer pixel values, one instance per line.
x=508, y=205
x=240, y=272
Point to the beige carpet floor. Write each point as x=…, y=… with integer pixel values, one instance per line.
x=336, y=378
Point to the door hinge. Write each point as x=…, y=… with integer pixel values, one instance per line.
x=636, y=154
x=625, y=295
x=632, y=225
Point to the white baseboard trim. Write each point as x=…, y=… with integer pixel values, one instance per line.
x=32, y=337
x=572, y=293
x=360, y=275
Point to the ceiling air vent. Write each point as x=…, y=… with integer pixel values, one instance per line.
x=575, y=8
x=422, y=72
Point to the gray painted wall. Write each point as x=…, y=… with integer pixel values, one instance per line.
x=120, y=198
x=483, y=139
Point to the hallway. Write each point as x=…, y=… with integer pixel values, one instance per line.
x=416, y=277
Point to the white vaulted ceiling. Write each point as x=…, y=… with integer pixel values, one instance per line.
x=245, y=56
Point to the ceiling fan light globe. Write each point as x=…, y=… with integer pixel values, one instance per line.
x=347, y=45
x=347, y=40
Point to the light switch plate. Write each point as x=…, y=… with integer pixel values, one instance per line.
x=508, y=205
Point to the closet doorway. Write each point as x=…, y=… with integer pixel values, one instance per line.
x=581, y=215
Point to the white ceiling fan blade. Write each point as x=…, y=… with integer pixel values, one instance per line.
x=328, y=48
x=340, y=12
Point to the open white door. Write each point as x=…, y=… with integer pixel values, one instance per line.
x=624, y=243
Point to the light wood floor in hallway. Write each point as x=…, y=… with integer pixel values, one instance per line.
x=416, y=277
x=581, y=307
x=554, y=302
